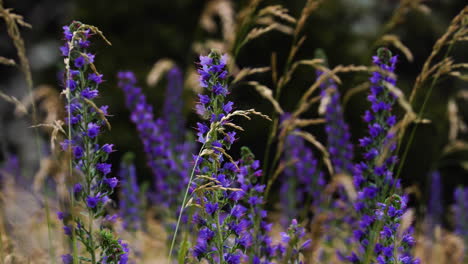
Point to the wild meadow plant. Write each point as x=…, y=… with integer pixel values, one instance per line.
x=221, y=203
x=86, y=121
x=338, y=135
x=302, y=181
x=379, y=206
x=129, y=202
x=10, y=169
x=168, y=157
x=213, y=187
x=461, y=216
x=228, y=194
x=435, y=209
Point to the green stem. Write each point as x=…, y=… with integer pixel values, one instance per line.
x=220, y=234
x=184, y=201
x=420, y=114
x=91, y=240
x=70, y=162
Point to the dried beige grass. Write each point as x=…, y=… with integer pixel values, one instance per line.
x=247, y=72
x=19, y=107
x=225, y=11
x=355, y=90
x=455, y=25
x=6, y=61
x=12, y=21
x=395, y=41
x=48, y=101
x=158, y=70
x=267, y=93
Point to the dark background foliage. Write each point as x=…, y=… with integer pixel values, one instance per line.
x=143, y=31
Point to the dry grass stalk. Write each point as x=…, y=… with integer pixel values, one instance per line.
x=267, y=93
x=355, y=90
x=317, y=231
x=277, y=11
x=304, y=102
x=395, y=41
x=49, y=102
x=454, y=120
x=249, y=71
x=402, y=100
x=225, y=11
x=402, y=10
x=101, y=113
x=57, y=126
x=279, y=169
x=223, y=151
x=342, y=180
x=455, y=146
x=158, y=70
x=315, y=63
x=257, y=32
x=311, y=139
x=450, y=37
x=244, y=113
x=6, y=61
x=19, y=107
x=266, y=21
x=205, y=46
x=308, y=122
x=440, y=43
x=309, y=7
x=12, y=21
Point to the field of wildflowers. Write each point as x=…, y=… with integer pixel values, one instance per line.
x=181, y=186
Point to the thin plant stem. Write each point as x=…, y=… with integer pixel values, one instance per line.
x=70, y=162
x=421, y=113
x=184, y=201
x=49, y=232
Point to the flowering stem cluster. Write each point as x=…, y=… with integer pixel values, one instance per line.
x=167, y=157
x=291, y=247
x=302, y=181
x=461, y=215
x=338, y=136
x=85, y=122
x=214, y=188
x=378, y=206
x=129, y=203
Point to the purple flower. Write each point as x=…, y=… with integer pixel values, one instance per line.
x=67, y=259
x=204, y=99
x=105, y=168
x=89, y=93
x=112, y=182
x=61, y=215
x=78, y=152
x=219, y=89
x=108, y=148
x=97, y=78
x=67, y=230
x=68, y=35
x=64, y=50
x=93, y=130
x=211, y=208
x=228, y=107
x=92, y=201
x=338, y=135
x=80, y=62
x=77, y=188
x=302, y=181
